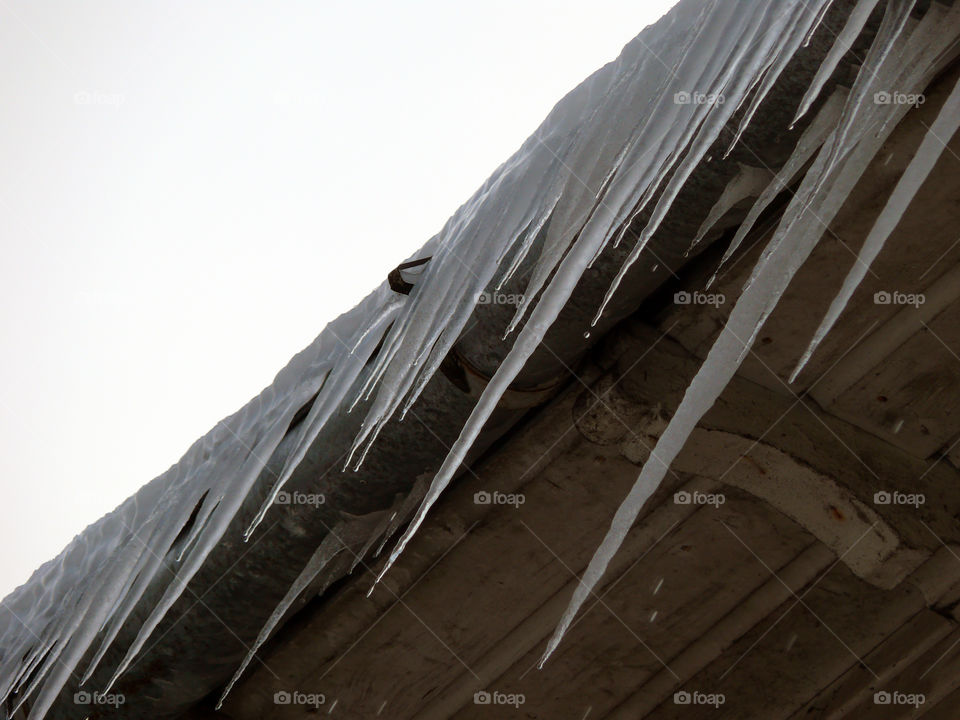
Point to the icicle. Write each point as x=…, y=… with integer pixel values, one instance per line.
x=841, y=46
x=817, y=22
x=529, y=238
x=726, y=49
x=719, y=367
x=219, y=522
x=912, y=67
x=372, y=527
x=275, y=406
x=894, y=19
x=439, y=321
x=152, y=551
x=920, y=166
x=811, y=140
x=661, y=130
x=819, y=198
x=705, y=138
x=88, y=618
x=768, y=66
x=332, y=545
x=348, y=367
x=804, y=25
x=748, y=182
x=404, y=511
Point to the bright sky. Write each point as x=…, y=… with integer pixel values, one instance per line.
x=190, y=191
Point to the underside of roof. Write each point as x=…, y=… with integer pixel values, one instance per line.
x=652, y=495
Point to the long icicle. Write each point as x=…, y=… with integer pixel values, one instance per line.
x=823, y=191
x=943, y=128
x=841, y=46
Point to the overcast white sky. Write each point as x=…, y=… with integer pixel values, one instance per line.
x=189, y=191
